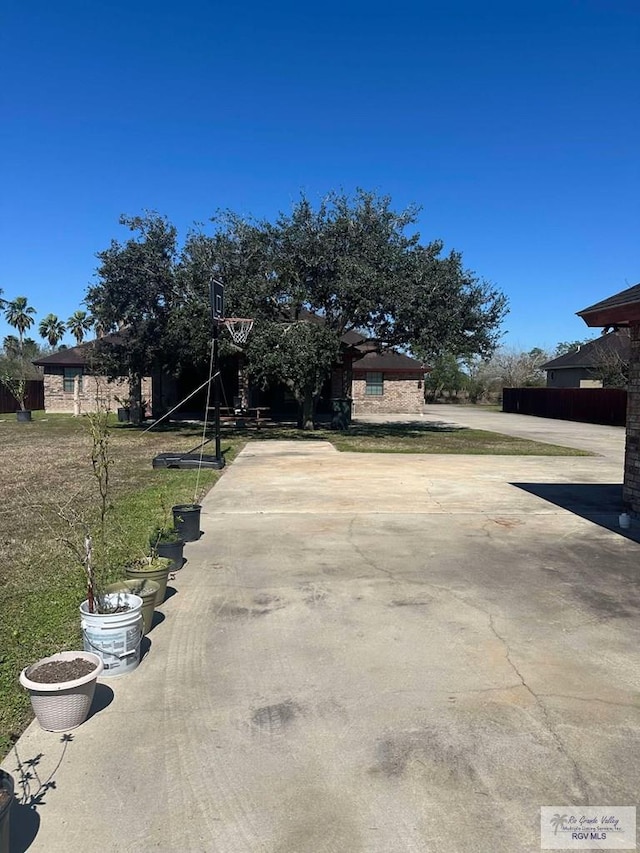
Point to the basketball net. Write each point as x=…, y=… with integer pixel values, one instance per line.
x=238, y=328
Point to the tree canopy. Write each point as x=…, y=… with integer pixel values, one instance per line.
x=135, y=294
x=52, y=329
x=564, y=347
x=79, y=323
x=350, y=263
x=18, y=313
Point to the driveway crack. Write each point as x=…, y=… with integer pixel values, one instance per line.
x=579, y=778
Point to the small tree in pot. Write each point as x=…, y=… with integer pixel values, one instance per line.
x=111, y=621
x=17, y=387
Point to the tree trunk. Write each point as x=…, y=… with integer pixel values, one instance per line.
x=305, y=419
x=135, y=395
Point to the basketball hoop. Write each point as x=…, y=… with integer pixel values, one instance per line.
x=238, y=328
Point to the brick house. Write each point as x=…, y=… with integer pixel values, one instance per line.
x=384, y=382
x=70, y=387
x=623, y=310
x=387, y=382
x=377, y=382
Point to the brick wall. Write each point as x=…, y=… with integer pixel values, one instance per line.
x=58, y=401
x=403, y=393
x=631, y=488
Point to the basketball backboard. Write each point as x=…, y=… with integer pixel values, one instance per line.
x=216, y=295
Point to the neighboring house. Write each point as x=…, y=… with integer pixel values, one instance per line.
x=584, y=367
x=69, y=385
x=623, y=310
x=387, y=382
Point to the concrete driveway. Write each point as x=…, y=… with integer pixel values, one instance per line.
x=366, y=653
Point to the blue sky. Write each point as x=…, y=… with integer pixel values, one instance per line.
x=515, y=125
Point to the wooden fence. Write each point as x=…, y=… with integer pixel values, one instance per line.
x=587, y=405
x=34, y=400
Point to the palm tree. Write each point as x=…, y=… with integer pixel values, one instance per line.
x=11, y=346
x=3, y=302
x=52, y=329
x=18, y=314
x=79, y=323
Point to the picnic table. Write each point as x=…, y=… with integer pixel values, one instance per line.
x=241, y=414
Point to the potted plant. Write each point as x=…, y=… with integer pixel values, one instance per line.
x=61, y=688
x=147, y=589
x=6, y=798
x=17, y=387
x=165, y=541
x=186, y=520
x=153, y=569
x=124, y=409
x=111, y=621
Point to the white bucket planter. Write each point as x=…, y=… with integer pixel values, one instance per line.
x=62, y=705
x=115, y=637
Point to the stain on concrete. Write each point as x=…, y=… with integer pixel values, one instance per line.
x=428, y=749
x=605, y=604
x=263, y=599
x=597, y=580
x=261, y=605
x=272, y=719
x=508, y=523
x=409, y=602
x=232, y=611
x=313, y=594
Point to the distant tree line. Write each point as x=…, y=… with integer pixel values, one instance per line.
x=18, y=352
x=483, y=379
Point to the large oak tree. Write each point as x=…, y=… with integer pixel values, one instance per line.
x=352, y=261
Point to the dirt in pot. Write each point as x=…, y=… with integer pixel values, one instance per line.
x=56, y=671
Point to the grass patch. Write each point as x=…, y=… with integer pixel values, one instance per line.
x=45, y=463
x=418, y=438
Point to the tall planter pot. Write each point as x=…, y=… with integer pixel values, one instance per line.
x=171, y=551
x=157, y=571
x=6, y=798
x=115, y=637
x=148, y=592
x=62, y=705
x=186, y=521
x=23, y=416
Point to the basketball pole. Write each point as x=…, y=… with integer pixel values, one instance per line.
x=216, y=392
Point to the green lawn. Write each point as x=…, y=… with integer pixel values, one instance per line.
x=418, y=438
x=44, y=464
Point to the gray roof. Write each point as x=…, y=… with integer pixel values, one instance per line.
x=77, y=356
x=393, y=362
x=69, y=357
x=590, y=355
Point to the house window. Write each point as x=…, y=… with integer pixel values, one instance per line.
x=374, y=385
x=69, y=374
